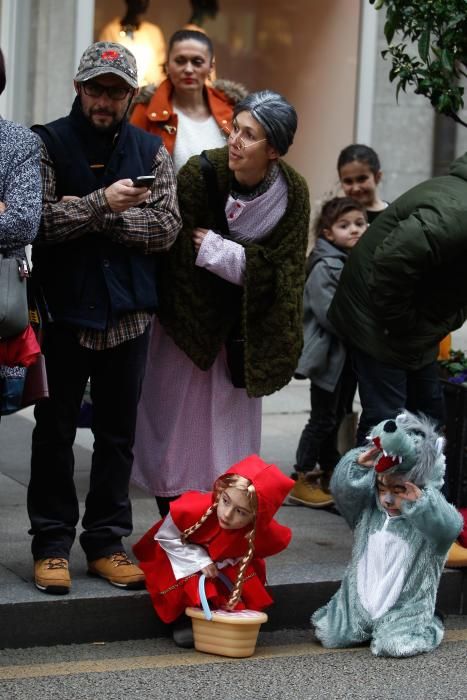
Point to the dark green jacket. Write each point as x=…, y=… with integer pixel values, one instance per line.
x=404, y=287
x=198, y=308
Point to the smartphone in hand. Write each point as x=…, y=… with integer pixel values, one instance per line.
x=144, y=181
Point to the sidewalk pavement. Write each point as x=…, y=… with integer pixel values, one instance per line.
x=302, y=578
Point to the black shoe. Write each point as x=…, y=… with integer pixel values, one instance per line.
x=163, y=503
x=182, y=633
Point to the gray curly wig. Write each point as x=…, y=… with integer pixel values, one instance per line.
x=277, y=117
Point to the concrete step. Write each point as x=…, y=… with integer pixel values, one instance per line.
x=119, y=615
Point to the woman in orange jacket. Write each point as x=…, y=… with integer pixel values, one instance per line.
x=188, y=114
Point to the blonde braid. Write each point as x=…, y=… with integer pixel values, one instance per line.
x=237, y=590
x=190, y=530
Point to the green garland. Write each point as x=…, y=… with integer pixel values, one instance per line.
x=432, y=54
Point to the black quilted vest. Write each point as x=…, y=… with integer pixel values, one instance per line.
x=91, y=281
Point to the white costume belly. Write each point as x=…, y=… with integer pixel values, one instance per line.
x=381, y=571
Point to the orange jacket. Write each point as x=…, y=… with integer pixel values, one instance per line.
x=158, y=116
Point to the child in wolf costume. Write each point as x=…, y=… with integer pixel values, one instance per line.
x=389, y=493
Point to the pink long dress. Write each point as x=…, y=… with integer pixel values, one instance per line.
x=193, y=425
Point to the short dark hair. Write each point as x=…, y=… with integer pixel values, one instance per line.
x=190, y=35
x=277, y=117
x=332, y=210
x=2, y=72
x=360, y=152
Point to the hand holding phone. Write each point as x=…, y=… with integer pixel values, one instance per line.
x=122, y=195
x=143, y=181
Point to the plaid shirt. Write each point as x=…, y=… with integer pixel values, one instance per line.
x=151, y=229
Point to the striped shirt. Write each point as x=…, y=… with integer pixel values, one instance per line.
x=151, y=228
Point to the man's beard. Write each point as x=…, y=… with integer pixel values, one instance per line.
x=110, y=126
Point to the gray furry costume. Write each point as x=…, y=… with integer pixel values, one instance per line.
x=388, y=592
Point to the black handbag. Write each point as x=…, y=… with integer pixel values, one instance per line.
x=235, y=342
x=13, y=296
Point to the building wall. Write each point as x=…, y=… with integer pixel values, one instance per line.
x=461, y=131
x=402, y=132
x=53, y=59
x=41, y=40
x=307, y=51
x=17, y=42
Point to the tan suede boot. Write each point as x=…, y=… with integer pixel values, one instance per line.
x=307, y=492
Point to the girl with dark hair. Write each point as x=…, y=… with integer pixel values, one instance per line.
x=338, y=228
x=231, y=528
x=233, y=281
x=360, y=174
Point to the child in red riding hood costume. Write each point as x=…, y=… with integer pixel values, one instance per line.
x=231, y=529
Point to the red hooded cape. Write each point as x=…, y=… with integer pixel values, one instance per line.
x=169, y=596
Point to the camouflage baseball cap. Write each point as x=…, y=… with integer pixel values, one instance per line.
x=107, y=57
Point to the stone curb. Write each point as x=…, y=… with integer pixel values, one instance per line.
x=56, y=620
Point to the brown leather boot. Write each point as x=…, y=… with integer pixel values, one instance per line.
x=307, y=492
x=51, y=575
x=118, y=570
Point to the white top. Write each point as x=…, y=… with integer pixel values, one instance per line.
x=193, y=137
x=382, y=570
x=185, y=558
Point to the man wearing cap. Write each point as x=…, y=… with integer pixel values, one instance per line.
x=95, y=259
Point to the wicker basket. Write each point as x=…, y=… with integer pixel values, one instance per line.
x=224, y=633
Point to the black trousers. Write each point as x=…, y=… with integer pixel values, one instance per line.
x=116, y=377
x=318, y=442
x=385, y=390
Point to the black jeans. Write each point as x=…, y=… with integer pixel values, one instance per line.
x=318, y=442
x=116, y=376
x=386, y=390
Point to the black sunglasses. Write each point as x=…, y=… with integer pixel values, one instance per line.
x=93, y=89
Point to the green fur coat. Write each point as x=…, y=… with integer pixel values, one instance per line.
x=198, y=309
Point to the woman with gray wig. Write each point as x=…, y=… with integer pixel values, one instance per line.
x=277, y=117
x=230, y=304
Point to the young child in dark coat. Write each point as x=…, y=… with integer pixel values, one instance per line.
x=340, y=224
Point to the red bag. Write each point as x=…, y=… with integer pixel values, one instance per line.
x=20, y=350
